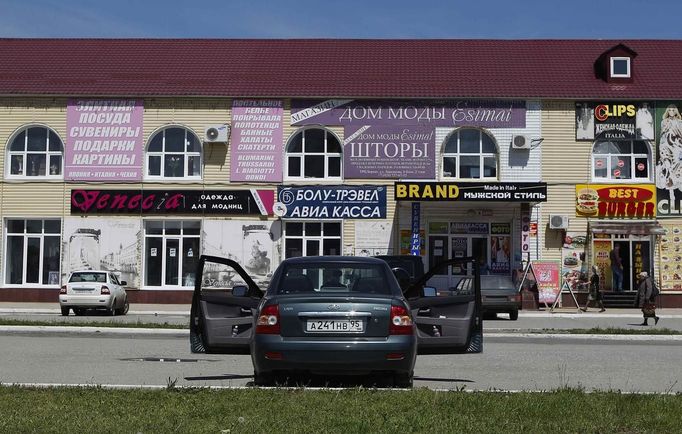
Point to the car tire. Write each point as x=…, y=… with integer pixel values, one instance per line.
x=514, y=315
x=263, y=378
x=403, y=381
x=124, y=309
x=65, y=311
x=113, y=310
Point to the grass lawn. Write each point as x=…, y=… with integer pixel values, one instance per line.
x=91, y=410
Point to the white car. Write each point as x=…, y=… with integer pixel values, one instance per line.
x=93, y=289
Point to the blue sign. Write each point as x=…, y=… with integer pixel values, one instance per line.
x=415, y=244
x=331, y=202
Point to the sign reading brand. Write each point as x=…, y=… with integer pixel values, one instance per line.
x=333, y=202
x=614, y=121
x=238, y=202
x=103, y=140
x=615, y=201
x=472, y=191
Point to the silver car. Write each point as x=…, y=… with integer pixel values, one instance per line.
x=330, y=315
x=93, y=289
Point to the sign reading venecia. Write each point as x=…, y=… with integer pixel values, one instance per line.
x=104, y=140
x=256, y=141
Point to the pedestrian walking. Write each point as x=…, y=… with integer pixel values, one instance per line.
x=616, y=268
x=646, y=298
x=595, y=293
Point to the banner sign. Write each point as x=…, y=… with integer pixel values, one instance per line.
x=392, y=152
x=224, y=202
x=670, y=258
x=103, y=140
x=548, y=280
x=331, y=202
x=614, y=120
x=629, y=201
x=448, y=113
x=256, y=141
x=668, y=169
x=469, y=228
x=525, y=232
x=415, y=245
x=472, y=191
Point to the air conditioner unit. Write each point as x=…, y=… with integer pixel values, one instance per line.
x=557, y=221
x=216, y=133
x=520, y=142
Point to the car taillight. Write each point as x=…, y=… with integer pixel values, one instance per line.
x=268, y=320
x=63, y=289
x=105, y=290
x=401, y=322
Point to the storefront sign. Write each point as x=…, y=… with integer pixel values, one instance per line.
x=256, y=141
x=333, y=202
x=406, y=242
x=548, y=280
x=525, y=232
x=614, y=120
x=449, y=113
x=415, y=246
x=232, y=202
x=668, y=172
x=103, y=140
x=469, y=228
x=629, y=201
x=472, y=191
x=392, y=152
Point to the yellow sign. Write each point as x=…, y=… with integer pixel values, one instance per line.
x=627, y=201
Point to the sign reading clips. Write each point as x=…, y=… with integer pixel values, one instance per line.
x=331, y=202
x=472, y=191
x=237, y=202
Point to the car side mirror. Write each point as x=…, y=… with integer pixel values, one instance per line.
x=430, y=291
x=123, y=283
x=240, y=291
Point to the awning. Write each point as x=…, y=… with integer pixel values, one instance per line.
x=627, y=228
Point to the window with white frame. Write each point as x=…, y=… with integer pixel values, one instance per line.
x=35, y=152
x=621, y=160
x=312, y=239
x=171, y=252
x=174, y=152
x=32, y=249
x=620, y=67
x=469, y=153
x=313, y=153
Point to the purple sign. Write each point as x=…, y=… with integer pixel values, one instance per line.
x=103, y=140
x=392, y=152
x=257, y=141
x=448, y=113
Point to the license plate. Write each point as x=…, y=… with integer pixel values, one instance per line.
x=334, y=325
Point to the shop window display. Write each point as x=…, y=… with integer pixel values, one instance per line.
x=313, y=153
x=469, y=153
x=174, y=152
x=312, y=239
x=35, y=251
x=621, y=160
x=36, y=152
x=171, y=252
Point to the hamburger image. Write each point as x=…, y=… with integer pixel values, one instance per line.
x=587, y=201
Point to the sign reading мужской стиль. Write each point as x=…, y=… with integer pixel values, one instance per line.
x=471, y=191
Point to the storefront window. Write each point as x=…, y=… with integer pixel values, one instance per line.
x=35, y=251
x=313, y=153
x=628, y=160
x=312, y=239
x=171, y=252
x=469, y=153
x=34, y=152
x=174, y=152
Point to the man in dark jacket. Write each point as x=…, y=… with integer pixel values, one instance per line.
x=645, y=298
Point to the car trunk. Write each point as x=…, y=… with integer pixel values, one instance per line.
x=338, y=316
x=84, y=288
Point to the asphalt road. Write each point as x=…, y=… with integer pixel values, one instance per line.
x=509, y=362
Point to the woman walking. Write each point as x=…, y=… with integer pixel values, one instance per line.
x=595, y=293
x=645, y=298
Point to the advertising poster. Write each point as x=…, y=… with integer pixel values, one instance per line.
x=601, y=249
x=614, y=121
x=624, y=201
x=500, y=251
x=573, y=264
x=103, y=244
x=670, y=257
x=373, y=237
x=669, y=164
x=548, y=280
x=331, y=202
x=249, y=243
x=389, y=152
x=406, y=242
x=104, y=140
x=256, y=141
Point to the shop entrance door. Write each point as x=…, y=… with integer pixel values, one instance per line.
x=635, y=253
x=442, y=248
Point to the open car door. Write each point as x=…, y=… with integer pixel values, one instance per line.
x=223, y=307
x=448, y=320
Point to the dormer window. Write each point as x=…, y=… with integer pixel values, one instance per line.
x=620, y=67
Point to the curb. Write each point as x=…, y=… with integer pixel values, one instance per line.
x=58, y=312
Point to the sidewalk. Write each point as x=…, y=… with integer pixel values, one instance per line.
x=135, y=308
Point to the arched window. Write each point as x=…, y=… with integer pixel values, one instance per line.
x=469, y=153
x=621, y=160
x=313, y=153
x=36, y=152
x=174, y=152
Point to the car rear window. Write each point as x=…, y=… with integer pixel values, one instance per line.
x=324, y=279
x=88, y=277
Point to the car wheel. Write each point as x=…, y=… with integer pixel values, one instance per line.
x=263, y=378
x=124, y=309
x=112, y=311
x=65, y=311
x=403, y=381
x=514, y=315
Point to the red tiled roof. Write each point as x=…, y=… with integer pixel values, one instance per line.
x=329, y=68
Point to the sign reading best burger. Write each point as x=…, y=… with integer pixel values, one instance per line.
x=617, y=201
